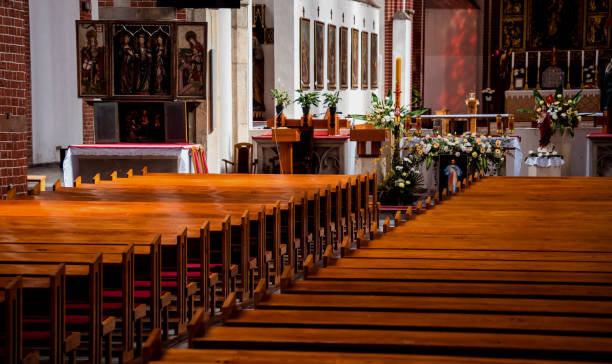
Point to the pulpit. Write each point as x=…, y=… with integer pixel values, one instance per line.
x=284, y=138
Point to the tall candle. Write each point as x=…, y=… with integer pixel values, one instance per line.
x=538, y=59
x=583, y=59
x=526, y=60
x=596, y=57
x=569, y=57
x=512, y=60
x=398, y=69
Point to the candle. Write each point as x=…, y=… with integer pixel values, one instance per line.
x=512, y=60
x=498, y=124
x=583, y=59
x=526, y=60
x=511, y=123
x=538, y=59
x=596, y=57
x=418, y=124
x=398, y=69
x=569, y=57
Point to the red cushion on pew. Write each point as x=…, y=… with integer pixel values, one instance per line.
x=193, y=265
x=118, y=294
x=105, y=306
x=212, y=266
x=39, y=335
x=70, y=319
x=143, y=284
x=168, y=274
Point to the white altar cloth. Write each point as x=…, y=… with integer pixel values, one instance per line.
x=71, y=163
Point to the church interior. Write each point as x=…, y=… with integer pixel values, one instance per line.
x=305, y=181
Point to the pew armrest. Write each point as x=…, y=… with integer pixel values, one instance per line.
x=152, y=348
x=197, y=325
x=108, y=325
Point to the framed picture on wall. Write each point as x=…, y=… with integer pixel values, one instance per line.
x=319, y=54
x=191, y=52
x=331, y=57
x=304, y=53
x=364, y=60
x=373, y=60
x=343, y=47
x=142, y=65
x=92, y=59
x=354, y=58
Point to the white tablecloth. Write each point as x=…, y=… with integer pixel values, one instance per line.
x=71, y=163
x=545, y=162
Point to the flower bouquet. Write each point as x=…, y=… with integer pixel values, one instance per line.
x=555, y=113
x=482, y=151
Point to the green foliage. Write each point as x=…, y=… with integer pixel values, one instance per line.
x=280, y=97
x=331, y=99
x=307, y=99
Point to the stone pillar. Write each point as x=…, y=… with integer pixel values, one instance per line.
x=224, y=92
x=242, y=71
x=402, y=47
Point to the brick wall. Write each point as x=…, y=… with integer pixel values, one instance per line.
x=391, y=7
x=13, y=161
x=15, y=93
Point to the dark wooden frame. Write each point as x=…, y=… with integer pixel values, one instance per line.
x=364, y=58
x=332, y=72
x=304, y=42
x=343, y=52
x=204, y=42
x=373, y=60
x=171, y=95
x=355, y=65
x=107, y=58
x=319, y=52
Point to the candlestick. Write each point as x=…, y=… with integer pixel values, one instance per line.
x=596, y=58
x=498, y=124
x=583, y=59
x=398, y=69
x=538, y=72
x=512, y=73
x=511, y=123
x=538, y=60
x=526, y=85
x=418, y=125
x=568, y=69
x=512, y=60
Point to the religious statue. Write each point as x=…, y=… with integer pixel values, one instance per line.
x=553, y=76
x=258, y=76
x=92, y=63
x=160, y=68
x=142, y=65
x=453, y=172
x=126, y=54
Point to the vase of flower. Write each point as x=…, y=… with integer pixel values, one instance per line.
x=557, y=119
x=306, y=100
x=281, y=99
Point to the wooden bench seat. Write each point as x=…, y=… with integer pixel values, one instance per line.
x=417, y=342
x=11, y=311
x=209, y=356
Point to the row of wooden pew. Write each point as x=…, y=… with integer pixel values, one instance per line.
x=516, y=270
x=101, y=265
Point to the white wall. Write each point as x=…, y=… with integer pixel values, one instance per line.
x=287, y=14
x=453, y=61
x=56, y=109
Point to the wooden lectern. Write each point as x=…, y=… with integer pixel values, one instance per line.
x=285, y=137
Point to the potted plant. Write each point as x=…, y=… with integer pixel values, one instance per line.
x=331, y=101
x=281, y=98
x=306, y=100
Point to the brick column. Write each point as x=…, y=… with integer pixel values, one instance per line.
x=15, y=95
x=13, y=154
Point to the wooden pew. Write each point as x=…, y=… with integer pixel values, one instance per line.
x=118, y=274
x=44, y=296
x=83, y=284
x=10, y=309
